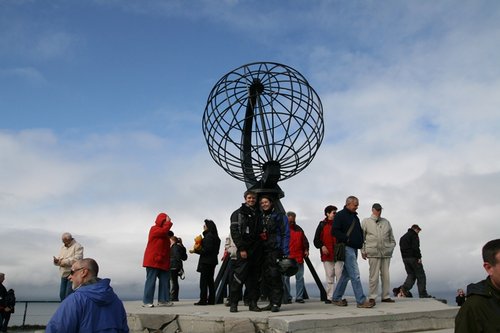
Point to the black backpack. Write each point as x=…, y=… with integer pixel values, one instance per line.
x=10, y=299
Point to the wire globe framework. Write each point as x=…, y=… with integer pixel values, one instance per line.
x=263, y=116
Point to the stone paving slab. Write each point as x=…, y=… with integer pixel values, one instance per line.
x=406, y=315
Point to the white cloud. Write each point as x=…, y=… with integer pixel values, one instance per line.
x=28, y=74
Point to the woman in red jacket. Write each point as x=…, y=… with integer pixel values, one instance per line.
x=157, y=262
x=325, y=242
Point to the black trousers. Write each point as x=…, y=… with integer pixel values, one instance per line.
x=4, y=321
x=174, y=285
x=207, y=286
x=415, y=271
x=246, y=271
x=272, y=277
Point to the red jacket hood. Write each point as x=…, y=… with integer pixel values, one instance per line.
x=160, y=219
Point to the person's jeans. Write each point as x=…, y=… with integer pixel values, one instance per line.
x=163, y=285
x=350, y=272
x=299, y=285
x=65, y=288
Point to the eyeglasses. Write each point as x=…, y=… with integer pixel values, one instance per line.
x=76, y=270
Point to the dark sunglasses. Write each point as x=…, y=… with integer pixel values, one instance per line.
x=76, y=270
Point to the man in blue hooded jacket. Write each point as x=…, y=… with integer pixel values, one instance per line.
x=92, y=307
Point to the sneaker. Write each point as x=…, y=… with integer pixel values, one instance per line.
x=275, y=308
x=165, y=303
x=300, y=300
x=388, y=300
x=342, y=302
x=148, y=305
x=328, y=301
x=366, y=305
x=233, y=308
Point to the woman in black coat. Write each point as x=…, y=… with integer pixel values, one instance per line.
x=209, y=252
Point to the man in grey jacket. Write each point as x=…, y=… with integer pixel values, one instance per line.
x=378, y=247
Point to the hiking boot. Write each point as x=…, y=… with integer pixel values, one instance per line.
x=253, y=307
x=342, y=302
x=366, y=305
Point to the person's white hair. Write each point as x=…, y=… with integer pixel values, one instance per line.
x=66, y=235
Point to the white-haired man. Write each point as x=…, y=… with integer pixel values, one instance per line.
x=70, y=252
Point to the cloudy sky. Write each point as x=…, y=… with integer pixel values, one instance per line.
x=101, y=105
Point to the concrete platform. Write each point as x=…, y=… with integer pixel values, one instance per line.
x=314, y=316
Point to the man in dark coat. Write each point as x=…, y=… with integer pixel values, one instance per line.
x=246, y=228
x=344, y=222
x=412, y=259
x=7, y=302
x=481, y=310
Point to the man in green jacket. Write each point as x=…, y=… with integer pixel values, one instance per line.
x=481, y=310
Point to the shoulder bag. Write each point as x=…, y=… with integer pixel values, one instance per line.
x=339, y=249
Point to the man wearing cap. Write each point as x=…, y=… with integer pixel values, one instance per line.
x=378, y=247
x=412, y=258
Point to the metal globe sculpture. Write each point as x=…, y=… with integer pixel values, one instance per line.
x=263, y=123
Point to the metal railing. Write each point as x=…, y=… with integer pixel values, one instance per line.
x=26, y=314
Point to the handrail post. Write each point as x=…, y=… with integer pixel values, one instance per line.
x=25, y=310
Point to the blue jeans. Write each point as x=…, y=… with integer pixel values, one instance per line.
x=350, y=272
x=66, y=288
x=299, y=284
x=163, y=285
